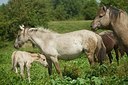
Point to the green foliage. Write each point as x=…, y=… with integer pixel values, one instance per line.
x=71, y=71
x=27, y=12
x=74, y=9
x=90, y=9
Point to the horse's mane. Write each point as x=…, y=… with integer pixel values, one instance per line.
x=42, y=29
x=115, y=12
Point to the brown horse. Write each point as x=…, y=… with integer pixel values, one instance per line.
x=115, y=20
x=110, y=42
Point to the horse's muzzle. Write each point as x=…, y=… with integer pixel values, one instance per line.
x=46, y=66
x=17, y=46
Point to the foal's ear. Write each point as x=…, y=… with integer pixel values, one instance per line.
x=38, y=55
x=21, y=27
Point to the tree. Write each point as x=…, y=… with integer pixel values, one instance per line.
x=27, y=12
x=90, y=9
x=74, y=9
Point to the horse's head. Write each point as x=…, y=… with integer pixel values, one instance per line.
x=22, y=37
x=102, y=19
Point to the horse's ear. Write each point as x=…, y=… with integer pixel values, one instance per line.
x=38, y=55
x=104, y=8
x=21, y=27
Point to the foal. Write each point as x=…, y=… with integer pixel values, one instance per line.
x=23, y=59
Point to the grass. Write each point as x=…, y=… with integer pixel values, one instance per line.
x=76, y=72
x=68, y=26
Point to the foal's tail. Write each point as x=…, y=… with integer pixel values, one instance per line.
x=13, y=60
x=101, y=51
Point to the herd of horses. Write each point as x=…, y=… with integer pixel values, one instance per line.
x=68, y=46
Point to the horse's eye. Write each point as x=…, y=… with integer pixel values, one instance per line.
x=18, y=35
x=43, y=59
x=100, y=16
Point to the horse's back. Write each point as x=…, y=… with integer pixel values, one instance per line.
x=73, y=43
x=86, y=34
x=108, y=39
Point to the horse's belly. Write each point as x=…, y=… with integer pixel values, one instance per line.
x=69, y=57
x=70, y=52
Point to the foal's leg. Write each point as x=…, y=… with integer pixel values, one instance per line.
x=16, y=70
x=49, y=66
x=57, y=66
x=15, y=67
x=28, y=65
x=22, y=69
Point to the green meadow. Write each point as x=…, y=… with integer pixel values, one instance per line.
x=75, y=72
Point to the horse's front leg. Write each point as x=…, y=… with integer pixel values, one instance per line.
x=90, y=58
x=117, y=55
x=57, y=66
x=49, y=66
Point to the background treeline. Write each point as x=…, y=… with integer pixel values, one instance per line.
x=39, y=12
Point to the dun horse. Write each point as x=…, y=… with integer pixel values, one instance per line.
x=65, y=46
x=115, y=20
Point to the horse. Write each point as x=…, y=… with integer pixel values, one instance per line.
x=66, y=46
x=113, y=19
x=111, y=42
x=25, y=59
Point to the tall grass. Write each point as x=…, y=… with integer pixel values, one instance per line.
x=76, y=72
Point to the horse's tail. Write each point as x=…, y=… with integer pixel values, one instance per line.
x=101, y=51
x=13, y=60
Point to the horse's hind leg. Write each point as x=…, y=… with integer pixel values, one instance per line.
x=22, y=69
x=121, y=52
x=110, y=57
x=28, y=65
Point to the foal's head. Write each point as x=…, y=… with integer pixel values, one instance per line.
x=42, y=60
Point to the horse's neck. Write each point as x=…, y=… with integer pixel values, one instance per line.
x=34, y=58
x=38, y=41
x=120, y=28
x=121, y=23
x=41, y=39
